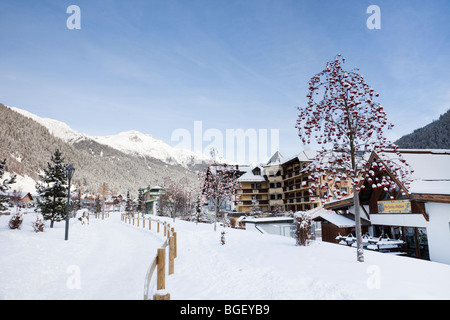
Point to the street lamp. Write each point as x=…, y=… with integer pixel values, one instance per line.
x=69, y=170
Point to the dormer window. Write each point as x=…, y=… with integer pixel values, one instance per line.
x=257, y=171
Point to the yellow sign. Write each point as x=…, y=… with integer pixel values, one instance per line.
x=394, y=206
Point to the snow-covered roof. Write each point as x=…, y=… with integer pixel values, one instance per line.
x=268, y=220
x=276, y=159
x=305, y=155
x=337, y=219
x=432, y=187
x=431, y=170
x=249, y=176
x=428, y=164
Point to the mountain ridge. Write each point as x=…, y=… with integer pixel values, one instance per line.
x=435, y=135
x=28, y=145
x=131, y=142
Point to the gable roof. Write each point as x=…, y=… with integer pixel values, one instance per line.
x=276, y=159
x=305, y=155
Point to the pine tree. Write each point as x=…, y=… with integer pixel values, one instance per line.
x=52, y=190
x=129, y=203
x=140, y=204
x=4, y=186
x=97, y=205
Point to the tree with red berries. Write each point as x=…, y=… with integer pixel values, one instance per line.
x=219, y=184
x=343, y=116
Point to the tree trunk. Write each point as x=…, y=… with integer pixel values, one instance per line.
x=359, y=244
x=217, y=213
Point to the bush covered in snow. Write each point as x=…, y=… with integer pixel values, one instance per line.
x=16, y=221
x=39, y=224
x=303, y=224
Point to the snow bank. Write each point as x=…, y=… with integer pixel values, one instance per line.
x=109, y=259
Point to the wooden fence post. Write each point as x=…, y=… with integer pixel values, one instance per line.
x=171, y=255
x=161, y=276
x=160, y=280
x=174, y=244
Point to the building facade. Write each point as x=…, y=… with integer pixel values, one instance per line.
x=280, y=185
x=253, y=194
x=419, y=214
x=150, y=198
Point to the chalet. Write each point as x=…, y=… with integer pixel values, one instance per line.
x=20, y=198
x=418, y=214
x=151, y=197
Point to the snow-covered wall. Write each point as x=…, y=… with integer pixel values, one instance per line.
x=438, y=230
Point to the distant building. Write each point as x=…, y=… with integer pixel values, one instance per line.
x=151, y=196
x=20, y=198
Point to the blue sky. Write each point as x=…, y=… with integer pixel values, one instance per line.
x=157, y=66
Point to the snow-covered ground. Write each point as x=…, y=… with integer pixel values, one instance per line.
x=108, y=259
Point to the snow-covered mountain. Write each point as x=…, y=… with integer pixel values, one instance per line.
x=131, y=142
x=145, y=145
x=29, y=141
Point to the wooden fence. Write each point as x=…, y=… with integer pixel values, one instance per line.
x=159, y=260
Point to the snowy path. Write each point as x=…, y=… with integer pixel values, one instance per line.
x=110, y=259
x=104, y=260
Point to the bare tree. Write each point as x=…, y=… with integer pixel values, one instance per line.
x=219, y=184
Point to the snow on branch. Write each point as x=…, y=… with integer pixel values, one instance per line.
x=343, y=116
